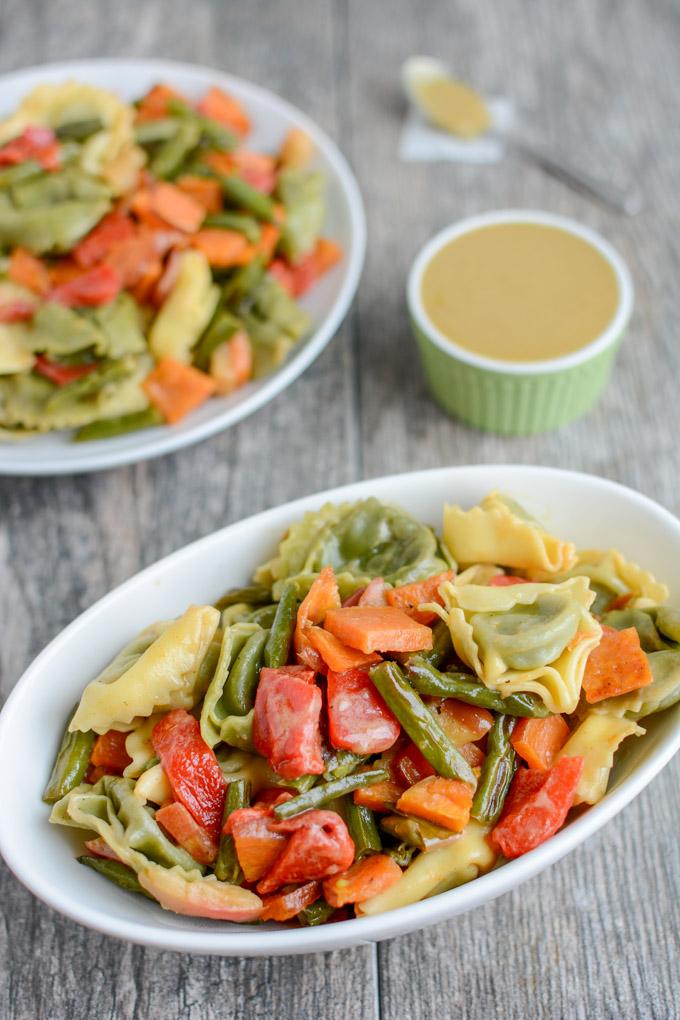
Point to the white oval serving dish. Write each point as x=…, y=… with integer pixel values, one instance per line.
x=43, y=856
x=327, y=303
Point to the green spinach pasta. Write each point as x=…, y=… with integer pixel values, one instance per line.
x=380, y=715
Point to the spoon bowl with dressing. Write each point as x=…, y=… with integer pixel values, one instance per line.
x=518, y=316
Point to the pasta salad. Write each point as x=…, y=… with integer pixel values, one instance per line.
x=381, y=715
x=149, y=259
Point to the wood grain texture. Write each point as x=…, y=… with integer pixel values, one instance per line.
x=598, y=935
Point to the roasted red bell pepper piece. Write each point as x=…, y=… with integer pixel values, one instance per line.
x=191, y=767
x=286, y=721
x=110, y=230
x=536, y=807
x=109, y=752
x=358, y=718
x=61, y=375
x=35, y=143
x=92, y=288
x=411, y=765
x=16, y=311
x=319, y=846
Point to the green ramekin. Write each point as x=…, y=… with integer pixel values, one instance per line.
x=516, y=398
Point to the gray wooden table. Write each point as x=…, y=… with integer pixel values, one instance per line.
x=598, y=935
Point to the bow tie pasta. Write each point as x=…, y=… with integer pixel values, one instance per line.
x=498, y=531
x=525, y=638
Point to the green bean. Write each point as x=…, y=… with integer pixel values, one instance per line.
x=416, y=832
x=21, y=172
x=442, y=647
x=316, y=913
x=217, y=134
x=242, y=194
x=255, y=594
x=264, y=616
x=497, y=772
x=242, y=282
x=239, y=691
x=151, y=131
x=78, y=130
x=246, y=225
x=106, y=428
x=222, y=327
x=227, y=867
x=171, y=154
x=362, y=828
x=277, y=649
x=116, y=872
x=325, y=792
x=272, y=778
x=70, y=765
x=428, y=680
x=420, y=724
x=341, y=763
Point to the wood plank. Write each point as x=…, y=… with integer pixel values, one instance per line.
x=65, y=542
x=596, y=935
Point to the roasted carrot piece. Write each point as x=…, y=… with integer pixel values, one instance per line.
x=539, y=740
x=28, y=271
x=203, y=190
x=364, y=879
x=445, y=802
x=409, y=596
x=378, y=629
x=617, y=665
x=231, y=363
x=109, y=752
x=154, y=104
x=326, y=254
x=217, y=105
x=289, y=903
x=140, y=205
x=175, y=388
x=257, y=847
x=175, y=207
x=380, y=797
x=321, y=597
x=461, y=723
x=223, y=248
x=338, y=657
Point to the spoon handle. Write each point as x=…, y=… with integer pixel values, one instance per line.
x=621, y=197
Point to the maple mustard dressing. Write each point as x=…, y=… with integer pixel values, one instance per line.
x=453, y=106
x=520, y=292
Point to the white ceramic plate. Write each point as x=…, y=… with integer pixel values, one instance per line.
x=327, y=304
x=42, y=856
